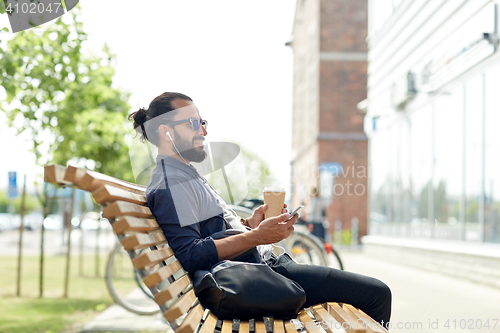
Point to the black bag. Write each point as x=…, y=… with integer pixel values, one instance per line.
x=241, y=290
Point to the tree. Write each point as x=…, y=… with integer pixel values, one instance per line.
x=65, y=98
x=229, y=183
x=441, y=210
x=258, y=172
x=423, y=211
x=2, y=11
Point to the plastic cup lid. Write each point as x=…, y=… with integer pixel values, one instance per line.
x=273, y=189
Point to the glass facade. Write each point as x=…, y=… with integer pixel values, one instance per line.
x=492, y=157
x=435, y=170
x=448, y=168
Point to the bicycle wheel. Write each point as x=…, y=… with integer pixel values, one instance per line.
x=304, y=249
x=335, y=260
x=125, y=286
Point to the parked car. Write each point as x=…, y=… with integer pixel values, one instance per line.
x=91, y=221
x=53, y=222
x=3, y=221
x=9, y=221
x=33, y=221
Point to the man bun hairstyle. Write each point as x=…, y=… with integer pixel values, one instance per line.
x=146, y=122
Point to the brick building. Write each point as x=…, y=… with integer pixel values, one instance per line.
x=329, y=146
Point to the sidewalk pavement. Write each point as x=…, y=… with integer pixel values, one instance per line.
x=117, y=319
x=423, y=302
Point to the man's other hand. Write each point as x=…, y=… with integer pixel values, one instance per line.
x=258, y=215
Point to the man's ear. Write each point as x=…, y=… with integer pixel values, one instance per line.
x=162, y=132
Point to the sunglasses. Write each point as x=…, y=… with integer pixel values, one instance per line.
x=195, y=123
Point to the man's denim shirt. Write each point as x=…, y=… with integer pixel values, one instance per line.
x=188, y=210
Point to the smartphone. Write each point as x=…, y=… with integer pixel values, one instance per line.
x=295, y=212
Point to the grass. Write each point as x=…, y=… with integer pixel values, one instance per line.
x=87, y=295
x=26, y=315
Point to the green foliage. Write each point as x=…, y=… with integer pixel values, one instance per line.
x=30, y=204
x=423, y=206
x=2, y=11
x=66, y=98
x=379, y=199
x=259, y=174
x=342, y=238
x=247, y=165
x=441, y=210
x=472, y=210
x=4, y=202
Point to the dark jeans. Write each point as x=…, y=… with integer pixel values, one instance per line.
x=325, y=284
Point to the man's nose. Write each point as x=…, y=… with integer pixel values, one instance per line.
x=203, y=130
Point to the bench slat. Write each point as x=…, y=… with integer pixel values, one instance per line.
x=332, y=325
x=108, y=193
x=308, y=323
x=209, y=324
x=180, y=307
x=370, y=324
x=289, y=327
x=54, y=174
x=278, y=326
x=141, y=241
x=260, y=327
x=92, y=180
x=129, y=223
x=152, y=257
x=190, y=323
x=227, y=326
x=244, y=327
x=162, y=274
x=74, y=174
x=122, y=208
x=343, y=317
x=172, y=290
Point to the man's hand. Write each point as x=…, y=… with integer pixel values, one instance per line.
x=268, y=231
x=258, y=216
x=275, y=229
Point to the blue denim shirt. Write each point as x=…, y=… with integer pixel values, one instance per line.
x=187, y=210
x=191, y=215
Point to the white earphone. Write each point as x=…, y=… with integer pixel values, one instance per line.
x=178, y=152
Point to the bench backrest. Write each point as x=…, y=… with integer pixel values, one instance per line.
x=125, y=206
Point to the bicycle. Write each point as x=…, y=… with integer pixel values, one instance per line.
x=303, y=247
x=119, y=274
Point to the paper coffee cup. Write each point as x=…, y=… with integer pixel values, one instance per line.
x=274, y=198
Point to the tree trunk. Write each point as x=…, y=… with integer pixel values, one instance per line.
x=21, y=229
x=68, y=253
x=47, y=203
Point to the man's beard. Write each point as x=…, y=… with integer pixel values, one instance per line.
x=187, y=150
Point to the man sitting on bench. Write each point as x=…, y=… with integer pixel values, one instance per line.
x=193, y=216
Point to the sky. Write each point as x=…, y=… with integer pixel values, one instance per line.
x=228, y=56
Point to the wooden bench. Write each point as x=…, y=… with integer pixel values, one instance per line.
x=125, y=207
